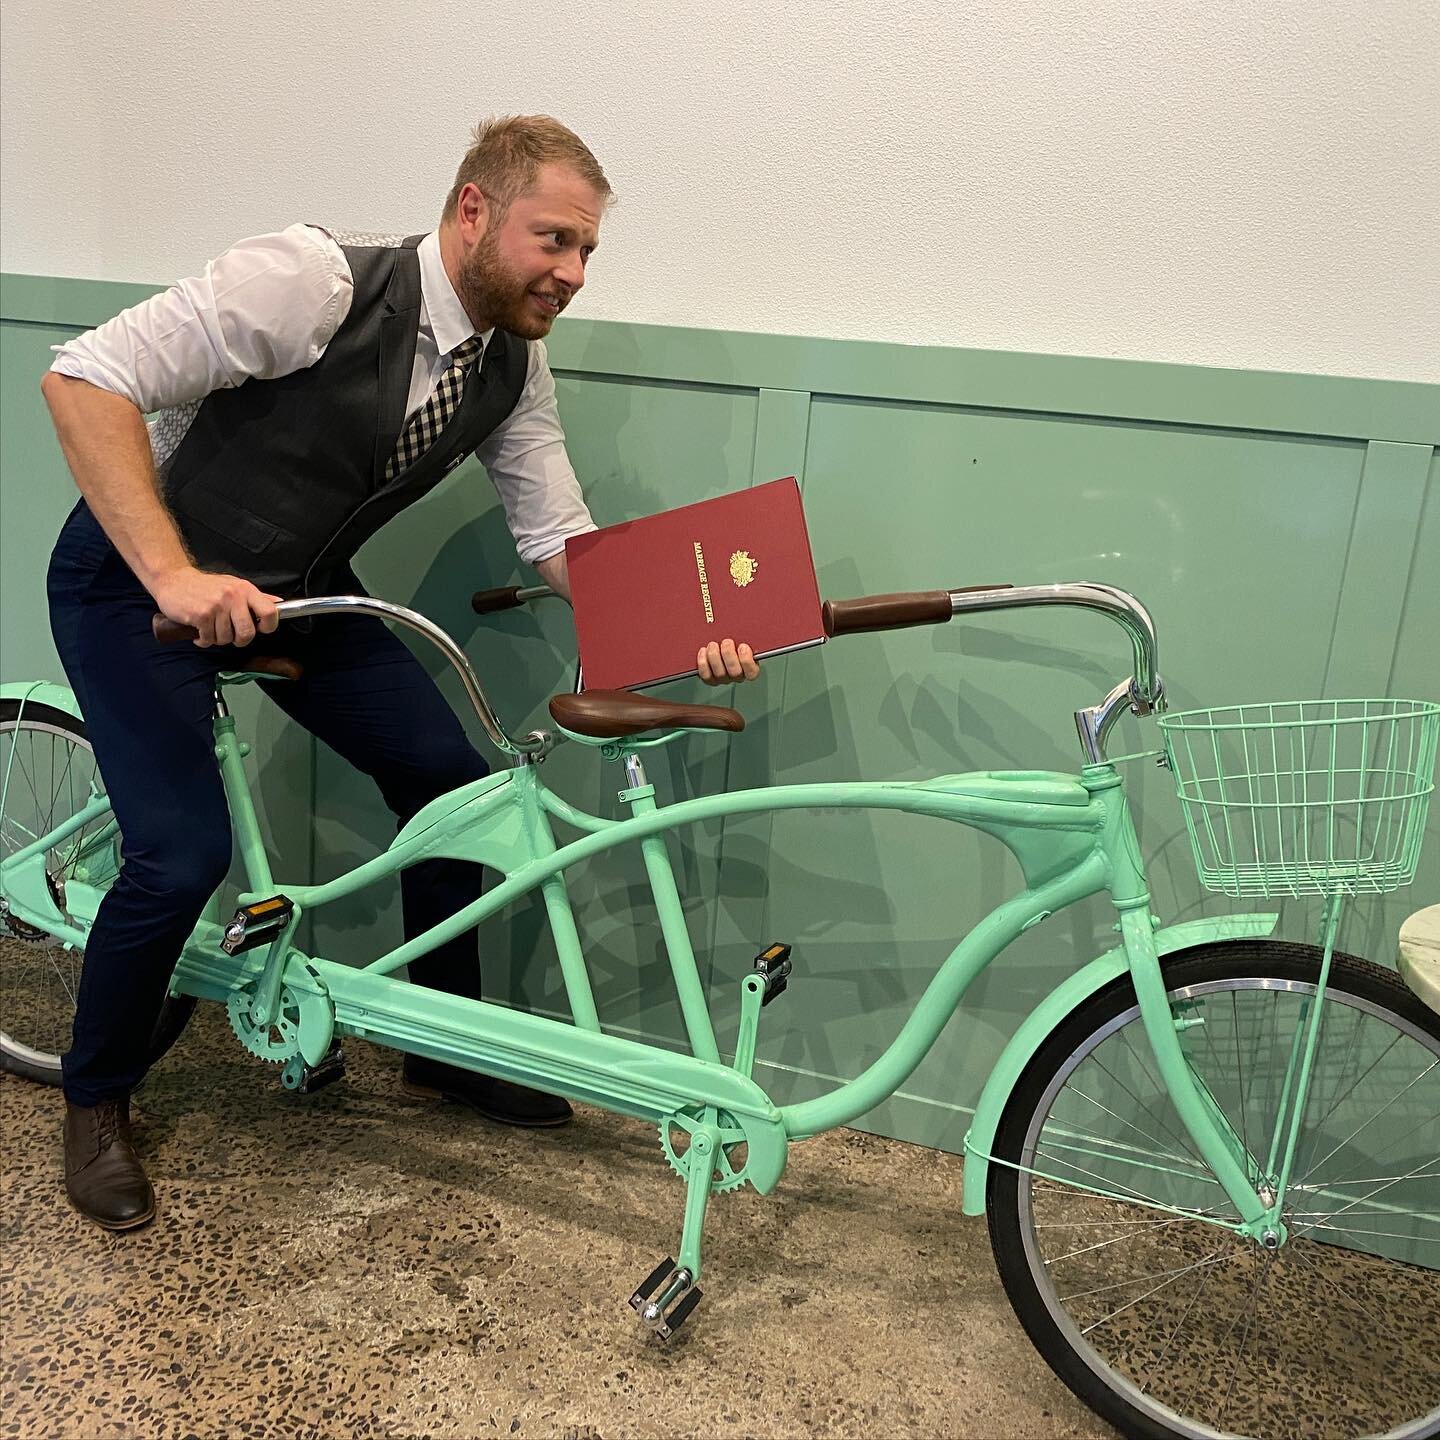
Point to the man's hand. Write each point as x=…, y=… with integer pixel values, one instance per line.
x=225, y=609
x=721, y=663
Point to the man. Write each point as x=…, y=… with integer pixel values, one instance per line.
x=310, y=389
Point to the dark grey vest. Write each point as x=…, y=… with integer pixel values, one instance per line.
x=281, y=481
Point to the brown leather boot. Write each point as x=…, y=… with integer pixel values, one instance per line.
x=103, y=1175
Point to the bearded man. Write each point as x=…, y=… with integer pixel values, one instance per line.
x=310, y=386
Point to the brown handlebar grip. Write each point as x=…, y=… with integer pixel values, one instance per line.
x=486, y=602
x=172, y=632
x=892, y=612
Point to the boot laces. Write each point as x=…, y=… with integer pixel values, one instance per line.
x=109, y=1124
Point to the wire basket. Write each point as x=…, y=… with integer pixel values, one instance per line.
x=1308, y=797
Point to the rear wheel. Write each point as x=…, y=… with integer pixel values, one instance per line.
x=1161, y=1319
x=47, y=768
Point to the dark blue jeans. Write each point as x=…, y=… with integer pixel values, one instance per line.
x=148, y=709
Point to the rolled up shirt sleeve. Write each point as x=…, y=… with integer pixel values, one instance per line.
x=267, y=307
x=528, y=464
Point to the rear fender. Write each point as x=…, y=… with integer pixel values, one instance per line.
x=42, y=692
x=1048, y=1015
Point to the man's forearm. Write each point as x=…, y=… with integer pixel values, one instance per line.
x=556, y=574
x=105, y=443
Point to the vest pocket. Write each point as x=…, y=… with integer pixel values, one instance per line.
x=226, y=520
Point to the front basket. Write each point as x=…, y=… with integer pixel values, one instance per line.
x=1308, y=797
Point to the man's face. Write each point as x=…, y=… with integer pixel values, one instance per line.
x=528, y=264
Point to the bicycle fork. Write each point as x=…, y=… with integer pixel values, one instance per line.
x=1256, y=1189
x=1215, y=1139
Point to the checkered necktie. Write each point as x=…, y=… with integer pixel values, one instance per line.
x=433, y=416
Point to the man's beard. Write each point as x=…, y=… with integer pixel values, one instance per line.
x=494, y=294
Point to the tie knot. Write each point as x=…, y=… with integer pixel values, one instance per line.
x=465, y=352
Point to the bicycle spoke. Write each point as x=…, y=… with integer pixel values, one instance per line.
x=1109, y=1186
x=70, y=994
x=1170, y=1340
x=1320, y=1124
x=1175, y=1275
x=1160, y=1089
x=1145, y=1134
x=51, y=775
x=1429, y=1069
x=1116, y=1239
x=1345, y=1209
x=1299, y=1254
x=1352, y=1230
x=1373, y=1179
x=1245, y=1334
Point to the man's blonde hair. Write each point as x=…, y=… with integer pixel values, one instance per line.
x=507, y=153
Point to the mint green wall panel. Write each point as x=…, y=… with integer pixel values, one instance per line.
x=1235, y=541
x=637, y=447
x=36, y=493
x=1284, y=530
x=1416, y=671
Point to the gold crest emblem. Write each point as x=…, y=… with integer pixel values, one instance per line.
x=743, y=568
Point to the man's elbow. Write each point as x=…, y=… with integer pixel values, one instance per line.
x=59, y=391
x=71, y=397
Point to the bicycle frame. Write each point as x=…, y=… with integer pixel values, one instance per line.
x=1073, y=837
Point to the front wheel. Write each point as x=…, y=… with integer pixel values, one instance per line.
x=1110, y=1232
x=47, y=768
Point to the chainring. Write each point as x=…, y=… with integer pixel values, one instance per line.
x=276, y=1042
x=730, y=1157
x=14, y=928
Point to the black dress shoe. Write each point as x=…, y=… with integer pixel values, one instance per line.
x=103, y=1176
x=492, y=1098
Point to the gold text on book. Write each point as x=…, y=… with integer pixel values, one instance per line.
x=704, y=584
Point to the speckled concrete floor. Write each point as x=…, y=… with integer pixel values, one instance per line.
x=358, y=1263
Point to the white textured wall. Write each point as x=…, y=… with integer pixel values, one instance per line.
x=1248, y=183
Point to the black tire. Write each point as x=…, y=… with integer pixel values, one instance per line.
x=20, y=945
x=1114, y=1363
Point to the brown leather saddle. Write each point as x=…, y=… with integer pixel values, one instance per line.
x=613, y=714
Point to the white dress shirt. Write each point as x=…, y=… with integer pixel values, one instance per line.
x=268, y=307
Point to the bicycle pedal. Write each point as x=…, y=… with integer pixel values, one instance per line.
x=675, y=1296
x=773, y=966
x=257, y=924
x=306, y=1079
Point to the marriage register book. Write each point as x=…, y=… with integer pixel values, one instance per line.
x=649, y=593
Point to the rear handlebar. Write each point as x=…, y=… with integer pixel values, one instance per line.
x=535, y=744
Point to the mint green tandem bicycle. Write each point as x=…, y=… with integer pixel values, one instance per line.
x=1210, y=1159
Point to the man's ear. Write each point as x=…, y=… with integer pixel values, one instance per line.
x=472, y=213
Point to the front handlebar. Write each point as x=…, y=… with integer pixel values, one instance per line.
x=1143, y=693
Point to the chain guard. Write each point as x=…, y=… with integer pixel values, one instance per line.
x=729, y=1166
x=12, y=927
x=276, y=1042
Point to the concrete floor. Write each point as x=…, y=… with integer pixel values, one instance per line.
x=359, y=1263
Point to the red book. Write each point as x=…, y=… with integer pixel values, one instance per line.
x=649, y=593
